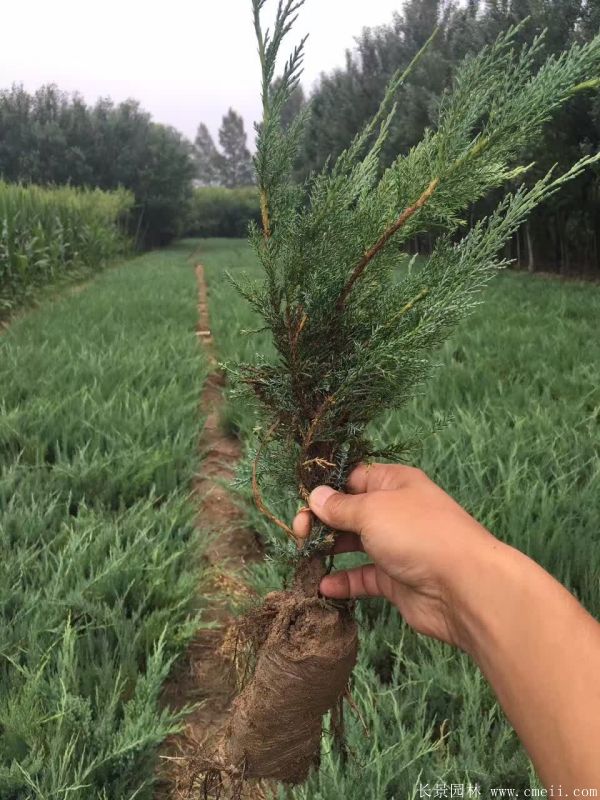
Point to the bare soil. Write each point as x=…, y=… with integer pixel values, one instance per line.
x=205, y=674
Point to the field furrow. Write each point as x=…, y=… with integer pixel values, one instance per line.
x=206, y=675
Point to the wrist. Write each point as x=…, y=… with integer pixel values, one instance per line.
x=540, y=652
x=487, y=595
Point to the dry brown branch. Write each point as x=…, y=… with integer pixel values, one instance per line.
x=320, y=462
x=308, y=441
x=352, y=703
x=300, y=328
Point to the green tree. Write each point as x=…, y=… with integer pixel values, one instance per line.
x=563, y=235
x=209, y=161
x=236, y=162
x=51, y=137
x=346, y=98
x=295, y=103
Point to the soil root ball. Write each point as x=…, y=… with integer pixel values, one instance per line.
x=302, y=668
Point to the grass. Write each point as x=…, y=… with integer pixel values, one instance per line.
x=519, y=381
x=98, y=446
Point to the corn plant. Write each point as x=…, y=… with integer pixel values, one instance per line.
x=47, y=234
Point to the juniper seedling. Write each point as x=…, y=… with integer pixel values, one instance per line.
x=353, y=342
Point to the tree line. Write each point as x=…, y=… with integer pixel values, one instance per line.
x=50, y=137
x=563, y=235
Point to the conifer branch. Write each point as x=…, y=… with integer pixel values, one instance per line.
x=256, y=493
x=386, y=107
x=384, y=239
x=334, y=373
x=274, y=147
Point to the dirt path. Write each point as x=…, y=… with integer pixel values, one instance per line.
x=203, y=675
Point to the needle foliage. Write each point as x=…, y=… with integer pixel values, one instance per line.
x=352, y=341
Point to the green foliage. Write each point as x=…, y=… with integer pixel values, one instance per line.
x=159, y=175
x=344, y=100
x=50, y=234
x=236, y=165
x=207, y=158
x=231, y=166
x=52, y=138
x=216, y=211
x=351, y=341
x=99, y=568
x=563, y=234
x=519, y=380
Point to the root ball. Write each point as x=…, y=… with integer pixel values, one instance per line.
x=302, y=668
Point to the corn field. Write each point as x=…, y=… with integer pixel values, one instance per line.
x=47, y=234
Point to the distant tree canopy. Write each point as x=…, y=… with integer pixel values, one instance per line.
x=207, y=158
x=51, y=137
x=563, y=234
x=231, y=166
x=217, y=211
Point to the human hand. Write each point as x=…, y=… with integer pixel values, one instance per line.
x=451, y=579
x=425, y=548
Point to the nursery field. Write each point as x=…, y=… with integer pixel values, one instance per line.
x=100, y=559
x=518, y=388
x=102, y=550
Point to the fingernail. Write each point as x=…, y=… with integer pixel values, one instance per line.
x=319, y=496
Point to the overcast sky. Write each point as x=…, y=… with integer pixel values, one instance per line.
x=185, y=60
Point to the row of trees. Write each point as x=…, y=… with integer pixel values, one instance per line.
x=231, y=166
x=52, y=138
x=564, y=234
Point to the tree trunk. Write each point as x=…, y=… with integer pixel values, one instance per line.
x=530, y=256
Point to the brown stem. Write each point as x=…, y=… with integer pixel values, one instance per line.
x=309, y=573
x=294, y=329
x=303, y=459
x=408, y=307
x=384, y=239
x=299, y=329
x=260, y=504
x=352, y=703
x=264, y=211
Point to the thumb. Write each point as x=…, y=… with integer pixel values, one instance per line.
x=340, y=511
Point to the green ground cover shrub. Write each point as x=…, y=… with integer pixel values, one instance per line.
x=100, y=559
x=216, y=211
